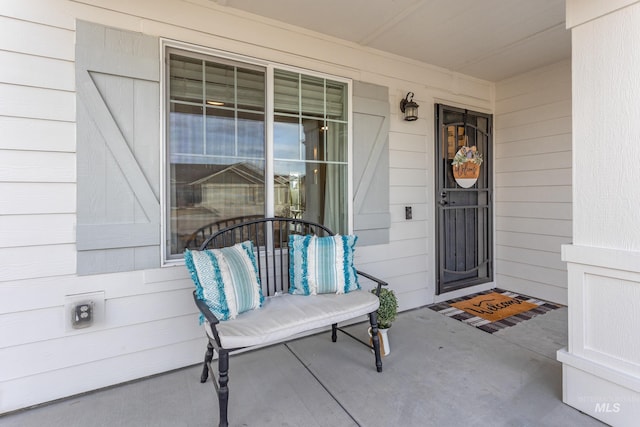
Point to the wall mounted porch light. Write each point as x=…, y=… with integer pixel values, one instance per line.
x=409, y=108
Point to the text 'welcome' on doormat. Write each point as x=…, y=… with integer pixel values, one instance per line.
x=494, y=309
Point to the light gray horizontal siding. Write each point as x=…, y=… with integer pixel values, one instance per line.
x=533, y=192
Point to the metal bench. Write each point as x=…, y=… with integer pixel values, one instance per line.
x=282, y=316
x=195, y=239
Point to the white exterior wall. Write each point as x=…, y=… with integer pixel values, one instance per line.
x=150, y=322
x=532, y=172
x=601, y=366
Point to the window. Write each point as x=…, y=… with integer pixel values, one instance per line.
x=228, y=156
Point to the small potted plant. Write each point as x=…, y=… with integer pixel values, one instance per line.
x=386, y=313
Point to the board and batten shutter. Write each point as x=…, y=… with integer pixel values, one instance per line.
x=118, y=149
x=371, y=163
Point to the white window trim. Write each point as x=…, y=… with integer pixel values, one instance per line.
x=269, y=149
x=270, y=67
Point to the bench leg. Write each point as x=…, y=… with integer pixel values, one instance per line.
x=375, y=340
x=208, y=356
x=223, y=389
x=334, y=332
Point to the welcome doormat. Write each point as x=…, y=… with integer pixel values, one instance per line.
x=494, y=309
x=494, y=306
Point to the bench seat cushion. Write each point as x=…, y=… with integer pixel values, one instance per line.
x=286, y=315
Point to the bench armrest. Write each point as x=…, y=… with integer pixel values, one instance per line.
x=380, y=283
x=202, y=306
x=211, y=318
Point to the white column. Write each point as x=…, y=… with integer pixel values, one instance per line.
x=601, y=366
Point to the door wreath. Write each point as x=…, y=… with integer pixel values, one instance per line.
x=466, y=166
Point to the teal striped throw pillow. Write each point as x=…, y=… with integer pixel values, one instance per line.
x=226, y=279
x=321, y=265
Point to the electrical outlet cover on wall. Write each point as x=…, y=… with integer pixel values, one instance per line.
x=74, y=320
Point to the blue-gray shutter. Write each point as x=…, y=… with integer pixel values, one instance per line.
x=118, y=149
x=371, y=163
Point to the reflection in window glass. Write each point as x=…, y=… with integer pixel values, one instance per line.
x=216, y=146
x=217, y=139
x=311, y=148
x=314, y=191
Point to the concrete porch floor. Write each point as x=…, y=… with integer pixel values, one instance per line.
x=440, y=372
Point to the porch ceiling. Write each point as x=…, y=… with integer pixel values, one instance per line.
x=487, y=39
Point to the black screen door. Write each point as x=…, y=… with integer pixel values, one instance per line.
x=464, y=228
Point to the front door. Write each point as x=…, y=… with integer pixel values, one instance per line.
x=464, y=226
